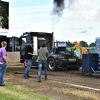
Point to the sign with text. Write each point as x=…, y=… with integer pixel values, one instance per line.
x=62, y=44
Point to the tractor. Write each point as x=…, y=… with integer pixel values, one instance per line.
x=63, y=58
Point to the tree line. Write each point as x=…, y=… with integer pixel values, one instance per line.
x=85, y=44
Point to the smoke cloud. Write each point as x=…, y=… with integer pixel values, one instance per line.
x=58, y=7
x=57, y=11
x=70, y=2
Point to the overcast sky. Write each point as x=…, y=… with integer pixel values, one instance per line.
x=79, y=21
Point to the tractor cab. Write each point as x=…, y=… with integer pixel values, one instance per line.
x=59, y=47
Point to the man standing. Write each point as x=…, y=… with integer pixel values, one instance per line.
x=43, y=55
x=3, y=61
x=28, y=57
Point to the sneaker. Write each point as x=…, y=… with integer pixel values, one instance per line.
x=25, y=76
x=3, y=85
x=39, y=80
x=29, y=76
x=46, y=78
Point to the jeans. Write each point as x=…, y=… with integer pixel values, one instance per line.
x=29, y=62
x=3, y=68
x=40, y=64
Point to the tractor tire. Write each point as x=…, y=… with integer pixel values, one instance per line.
x=51, y=66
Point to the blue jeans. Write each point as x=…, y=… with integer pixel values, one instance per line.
x=40, y=64
x=3, y=68
x=29, y=62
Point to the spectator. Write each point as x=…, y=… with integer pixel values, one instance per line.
x=28, y=57
x=43, y=55
x=3, y=62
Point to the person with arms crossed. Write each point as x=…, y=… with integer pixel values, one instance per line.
x=28, y=57
x=3, y=62
x=43, y=55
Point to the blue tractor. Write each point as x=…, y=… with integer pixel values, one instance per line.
x=63, y=58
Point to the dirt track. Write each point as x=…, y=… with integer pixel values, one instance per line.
x=61, y=85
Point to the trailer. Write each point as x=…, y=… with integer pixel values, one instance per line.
x=91, y=61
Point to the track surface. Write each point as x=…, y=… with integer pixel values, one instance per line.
x=60, y=84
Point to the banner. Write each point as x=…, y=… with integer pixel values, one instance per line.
x=4, y=17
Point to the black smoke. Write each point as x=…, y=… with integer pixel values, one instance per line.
x=57, y=11
x=58, y=7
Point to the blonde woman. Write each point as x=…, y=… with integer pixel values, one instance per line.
x=3, y=62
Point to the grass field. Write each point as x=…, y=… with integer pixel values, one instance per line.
x=13, y=93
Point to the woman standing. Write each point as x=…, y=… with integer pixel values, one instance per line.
x=3, y=62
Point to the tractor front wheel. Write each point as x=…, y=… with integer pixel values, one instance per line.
x=51, y=64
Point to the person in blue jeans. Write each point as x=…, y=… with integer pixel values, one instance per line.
x=3, y=61
x=28, y=57
x=43, y=55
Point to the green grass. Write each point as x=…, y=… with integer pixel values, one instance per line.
x=13, y=93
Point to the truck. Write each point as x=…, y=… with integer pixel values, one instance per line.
x=39, y=38
x=59, y=56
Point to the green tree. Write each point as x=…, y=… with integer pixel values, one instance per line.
x=4, y=14
x=5, y=23
x=92, y=44
x=75, y=42
x=83, y=44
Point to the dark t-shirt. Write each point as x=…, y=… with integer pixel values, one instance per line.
x=28, y=49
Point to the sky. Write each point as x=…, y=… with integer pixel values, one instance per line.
x=80, y=20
